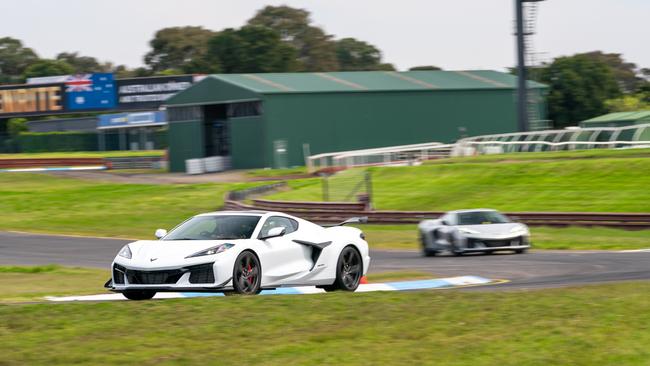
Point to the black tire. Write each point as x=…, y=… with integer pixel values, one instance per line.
x=426, y=251
x=139, y=294
x=349, y=270
x=246, y=275
x=520, y=251
x=429, y=253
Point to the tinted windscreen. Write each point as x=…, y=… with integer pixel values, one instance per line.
x=220, y=227
x=481, y=218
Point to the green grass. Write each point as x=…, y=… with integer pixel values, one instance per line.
x=593, y=325
x=49, y=204
x=579, y=238
x=32, y=283
x=592, y=185
x=83, y=154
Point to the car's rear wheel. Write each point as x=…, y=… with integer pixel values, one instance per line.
x=247, y=274
x=139, y=294
x=349, y=270
x=454, y=249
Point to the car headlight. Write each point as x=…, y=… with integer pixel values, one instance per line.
x=125, y=252
x=211, y=251
x=468, y=231
x=519, y=229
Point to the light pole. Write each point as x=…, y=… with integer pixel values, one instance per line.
x=522, y=93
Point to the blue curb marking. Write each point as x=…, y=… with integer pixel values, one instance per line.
x=418, y=285
x=388, y=286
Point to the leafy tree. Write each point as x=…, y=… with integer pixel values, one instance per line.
x=251, y=49
x=16, y=125
x=48, y=68
x=315, y=49
x=579, y=86
x=355, y=55
x=182, y=48
x=14, y=59
x=625, y=73
x=84, y=64
x=428, y=67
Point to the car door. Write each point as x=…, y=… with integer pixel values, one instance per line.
x=283, y=258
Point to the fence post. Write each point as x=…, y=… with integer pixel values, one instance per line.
x=369, y=188
x=325, y=187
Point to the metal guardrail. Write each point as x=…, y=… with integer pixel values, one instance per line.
x=323, y=212
x=49, y=162
x=136, y=162
x=139, y=162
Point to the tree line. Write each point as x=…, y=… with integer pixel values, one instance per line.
x=284, y=39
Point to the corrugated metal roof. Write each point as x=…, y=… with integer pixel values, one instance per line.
x=621, y=116
x=319, y=82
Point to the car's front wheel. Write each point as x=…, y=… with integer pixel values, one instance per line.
x=139, y=294
x=349, y=270
x=247, y=274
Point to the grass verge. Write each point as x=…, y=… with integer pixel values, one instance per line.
x=596, y=184
x=594, y=325
x=49, y=204
x=32, y=283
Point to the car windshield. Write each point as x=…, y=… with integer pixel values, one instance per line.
x=481, y=218
x=218, y=227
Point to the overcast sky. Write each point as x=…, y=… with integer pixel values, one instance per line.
x=453, y=34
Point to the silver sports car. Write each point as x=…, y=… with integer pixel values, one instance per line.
x=468, y=231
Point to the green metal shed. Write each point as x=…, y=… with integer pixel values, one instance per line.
x=266, y=120
x=618, y=119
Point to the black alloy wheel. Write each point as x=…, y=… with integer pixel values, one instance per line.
x=247, y=274
x=349, y=270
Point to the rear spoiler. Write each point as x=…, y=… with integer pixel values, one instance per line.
x=353, y=220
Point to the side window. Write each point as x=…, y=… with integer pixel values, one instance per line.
x=449, y=219
x=288, y=224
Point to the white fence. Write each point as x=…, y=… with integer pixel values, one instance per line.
x=379, y=156
x=573, y=138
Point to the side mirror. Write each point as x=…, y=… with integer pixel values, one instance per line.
x=444, y=222
x=275, y=232
x=160, y=233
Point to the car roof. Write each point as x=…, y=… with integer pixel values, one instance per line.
x=243, y=213
x=472, y=210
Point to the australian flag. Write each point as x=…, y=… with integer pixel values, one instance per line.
x=90, y=91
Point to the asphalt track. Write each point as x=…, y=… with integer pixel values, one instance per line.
x=532, y=270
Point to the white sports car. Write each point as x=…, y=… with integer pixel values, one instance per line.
x=467, y=231
x=244, y=253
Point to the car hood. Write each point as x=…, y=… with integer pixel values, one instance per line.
x=492, y=229
x=171, y=253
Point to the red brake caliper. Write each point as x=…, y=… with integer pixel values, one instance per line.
x=250, y=277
